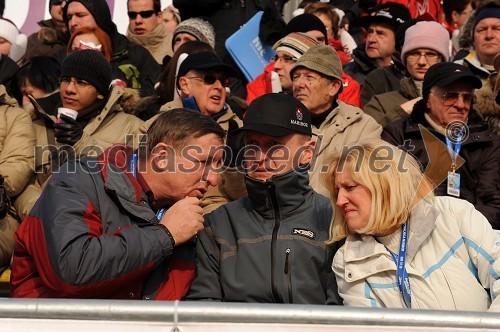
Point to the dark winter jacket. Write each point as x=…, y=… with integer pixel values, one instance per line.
x=382, y=80
x=47, y=41
x=479, y=175
x=386, y=107
x=268, y=246
x=361, y=65
x=92, y=234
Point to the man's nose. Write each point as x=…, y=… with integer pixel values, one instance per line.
x=212, y=178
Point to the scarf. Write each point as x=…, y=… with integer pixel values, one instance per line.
x=158, y=42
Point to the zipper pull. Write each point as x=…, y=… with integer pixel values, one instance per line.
x=287, y=259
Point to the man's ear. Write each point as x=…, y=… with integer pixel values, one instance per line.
x=335, y=88
x=100, y=97
x=162, y=157
x=185, y=86
x=307, y=151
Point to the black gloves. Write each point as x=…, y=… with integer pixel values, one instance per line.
x=4, y=200
x=69, y=131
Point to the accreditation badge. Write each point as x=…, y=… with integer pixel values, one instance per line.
x=453, y=187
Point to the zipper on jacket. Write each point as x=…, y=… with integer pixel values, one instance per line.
x=277, y=219
x=288, y=272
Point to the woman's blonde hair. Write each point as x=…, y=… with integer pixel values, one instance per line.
x=393, y=178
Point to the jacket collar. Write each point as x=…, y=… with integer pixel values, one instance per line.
x=121, y=184
x=478, y=129
x=374, y=257
x=177, y=103
x=284, y=193
x=336, y=122
x=361, y=58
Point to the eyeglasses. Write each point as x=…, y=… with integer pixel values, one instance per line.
x=210, y=79
x=429, y=56
x=79, y=84
x=284, y=59
x=450, y=98
x=144, y=14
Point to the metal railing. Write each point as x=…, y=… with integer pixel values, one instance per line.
x=197, y=316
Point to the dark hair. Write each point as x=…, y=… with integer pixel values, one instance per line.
x=156, y=5
x=43, y=73
x=329, y=11
x=454, y=5
x=176, y=127
x=167, y=76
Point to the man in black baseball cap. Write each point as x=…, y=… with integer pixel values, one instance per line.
x=201, y=86
x=270, y=245
x=447, y=111
x=381, y=25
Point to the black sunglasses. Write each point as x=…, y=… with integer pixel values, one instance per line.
x=211, y=79
x=144, y=14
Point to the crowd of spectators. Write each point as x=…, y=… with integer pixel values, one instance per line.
x=146, y=166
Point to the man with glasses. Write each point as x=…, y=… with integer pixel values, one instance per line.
x=202, y=80
x=419, y=52
x=131, y=63
x=146, y=28
x=53, y=33
x=446, y=111
x=317, y=83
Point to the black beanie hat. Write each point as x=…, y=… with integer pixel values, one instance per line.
x=305, y=23
x=91, y=66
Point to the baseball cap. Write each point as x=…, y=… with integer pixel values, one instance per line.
x=389, y=12
x=277, y=114
x=443, y=74
x=202, y=61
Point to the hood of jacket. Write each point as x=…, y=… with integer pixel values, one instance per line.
x=102, y=16
x=49, y=33
x=283, y=193
x=5, y=99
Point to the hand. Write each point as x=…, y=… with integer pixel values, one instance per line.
x=69, y=131
x=408, y=106
x=184, y=219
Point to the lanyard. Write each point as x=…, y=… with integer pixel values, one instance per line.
x=403, y=279
x=454, y=150
x=133, y=170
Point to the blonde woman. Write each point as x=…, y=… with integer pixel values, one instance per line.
x=404, y=247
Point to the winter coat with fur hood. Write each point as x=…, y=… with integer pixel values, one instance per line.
x=110, y=126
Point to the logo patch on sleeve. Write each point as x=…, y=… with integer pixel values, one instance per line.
x=304, y=232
